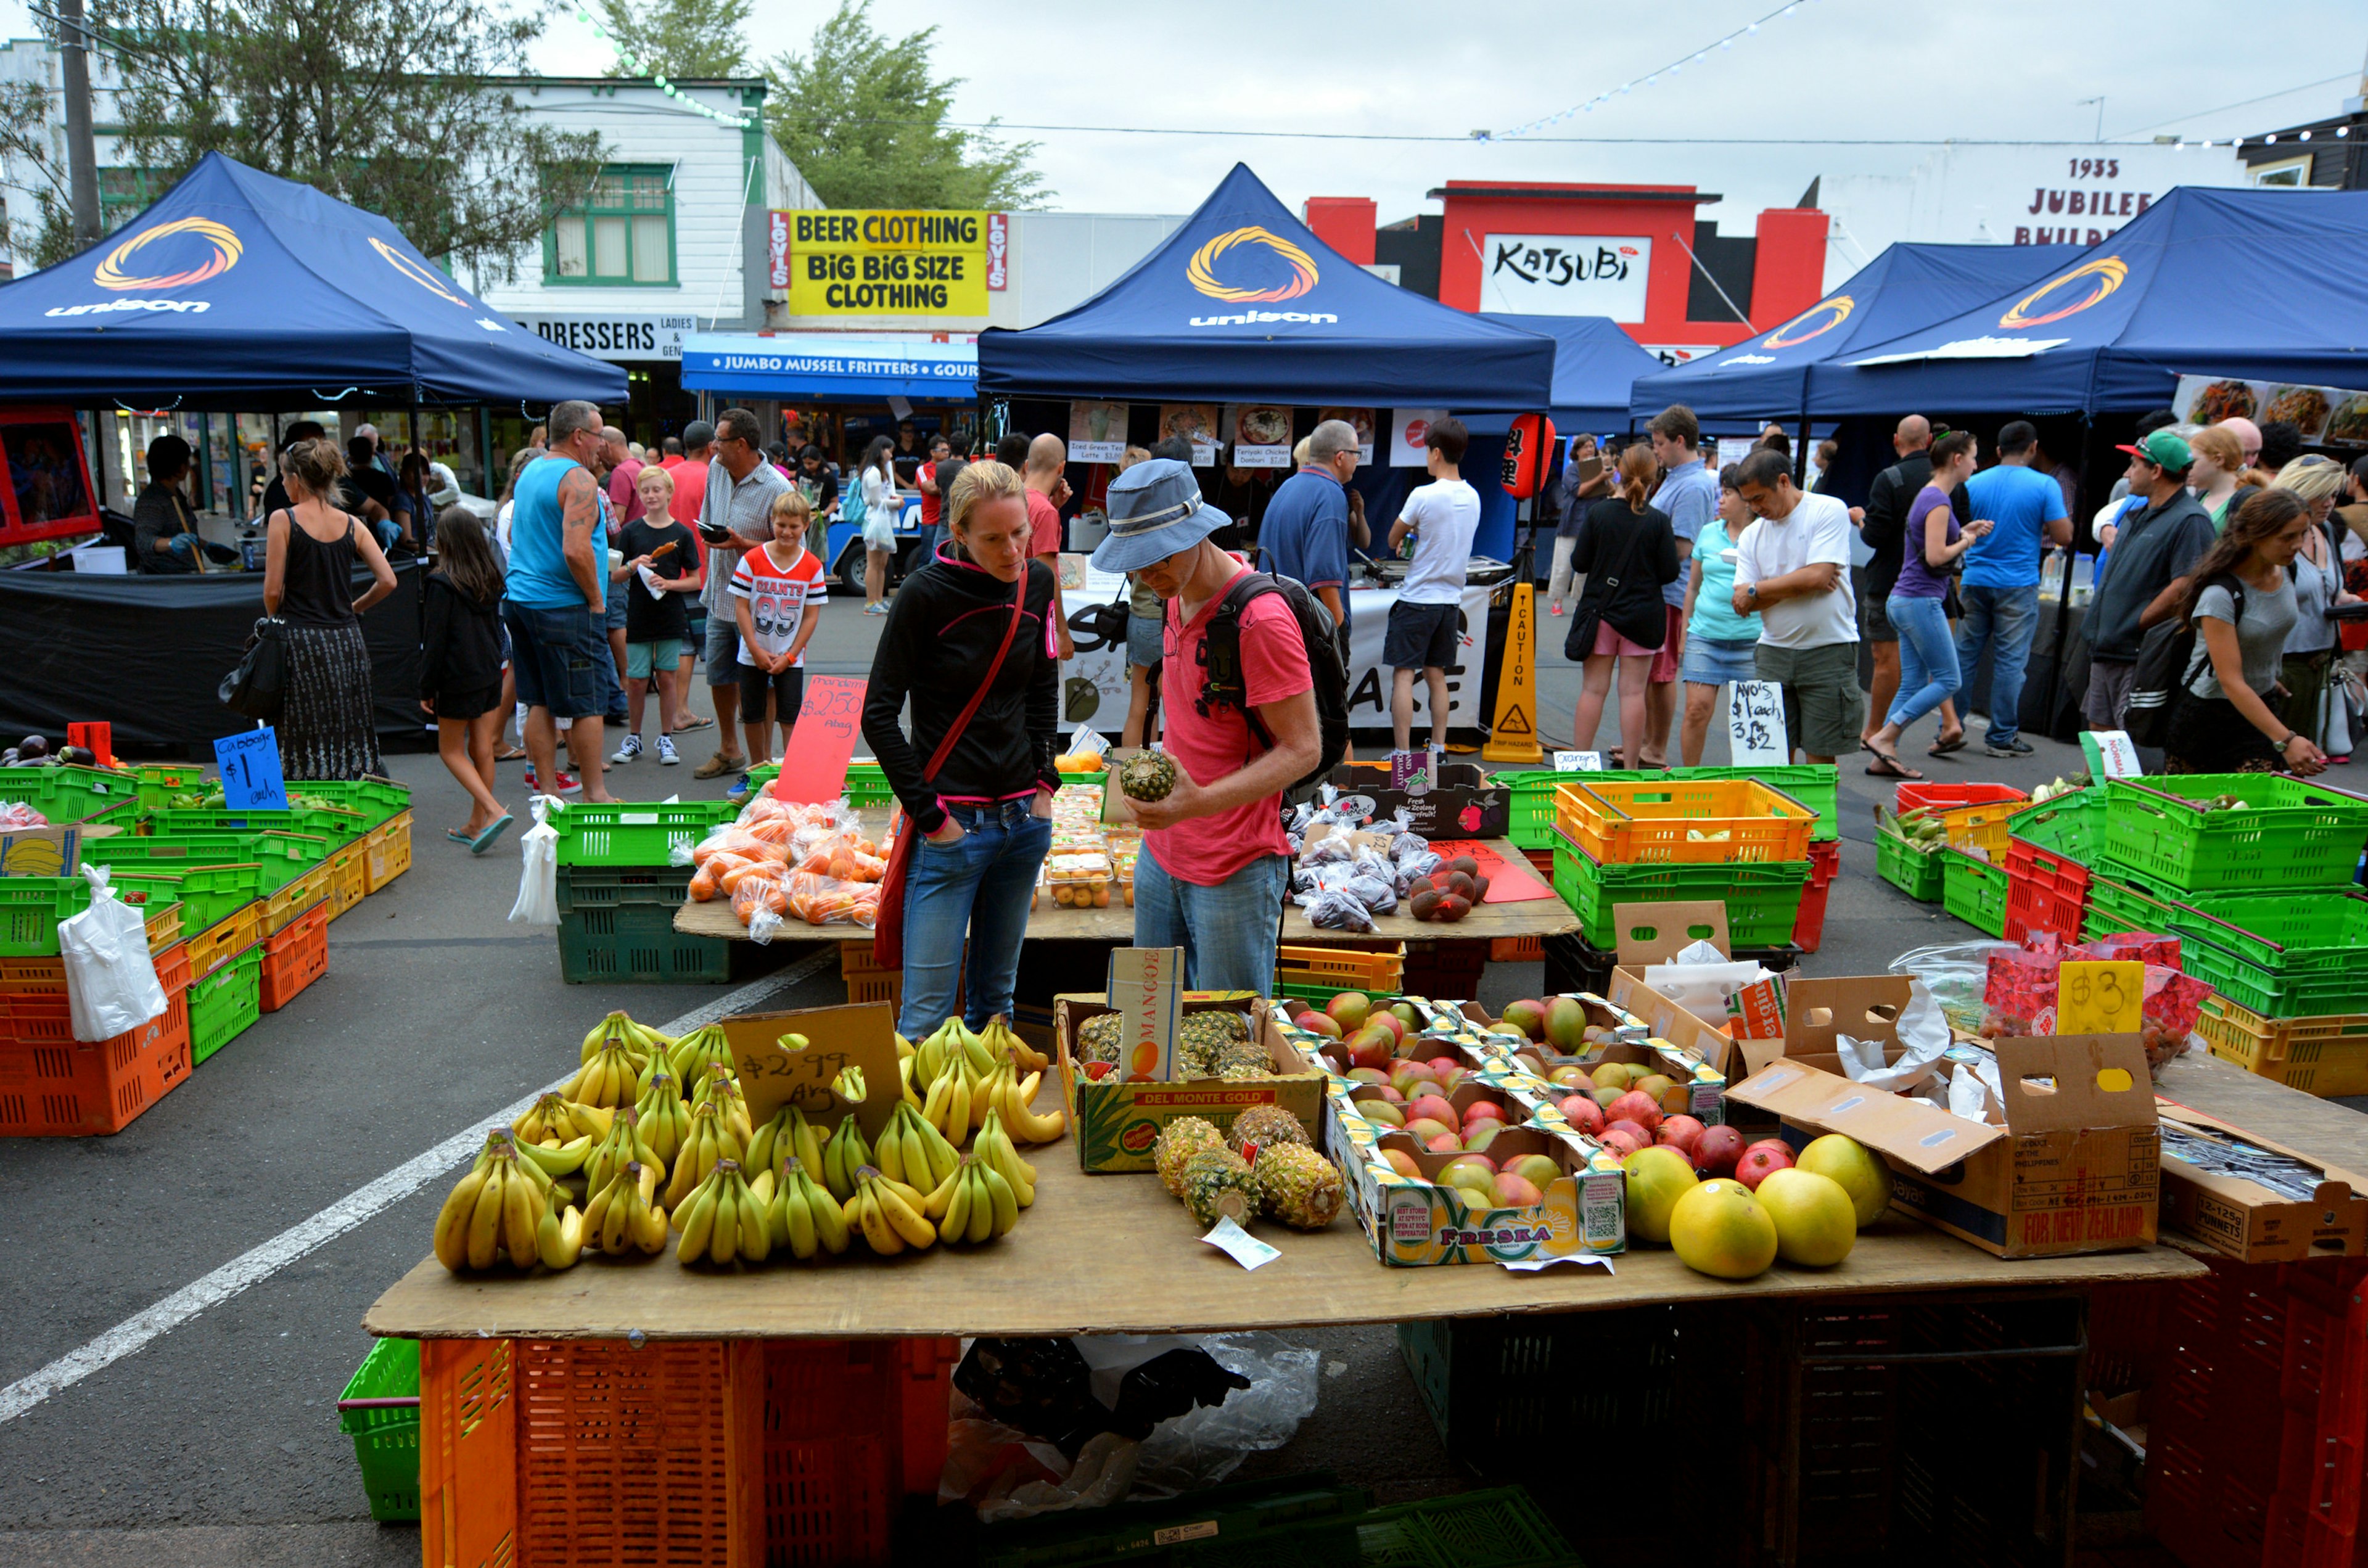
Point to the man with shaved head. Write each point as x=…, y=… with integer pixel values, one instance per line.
x=1048, y=487
x=1884, y=531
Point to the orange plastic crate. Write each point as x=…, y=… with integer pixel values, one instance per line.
x=1974, y=816
x=294, y=958
x=1382, y=973
x=741, y=1453
x=81, y=1089
x=1649, y=822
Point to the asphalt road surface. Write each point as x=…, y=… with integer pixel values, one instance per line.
x=249, y=1212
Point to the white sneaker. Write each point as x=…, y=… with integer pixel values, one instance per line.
x=626, y=753
x=667, y=757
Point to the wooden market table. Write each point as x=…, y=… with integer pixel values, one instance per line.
x=1050, y=921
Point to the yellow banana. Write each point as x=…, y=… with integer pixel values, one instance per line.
x=982, y=1060
x=904, y=1047
x=452, y=1221
x=914, y=1196
x=763, y=1188
x=958, y=1109
x=648, y=1226
x=881, y=1235
x=606, y=1081
x=612, y=1210
x=940, y=1195
x=725, y=1229
x=805, y=1141
x=662, y=1113
x=904, y=1213
x=888, y=1153
x=756, y=1217
x=698, y=1224
x=904, y=1082
x=1023, y=1123
x=566, y=1160
x=1006, y=1201
x=982, y=1207
x=953, y=1215
x=522, y=1212
x=830, y=1217
x=598, y=1033
x=700, y=1049
x=996, y=1149
x=559, y=1241
x=485, y=1219
x=933, y=1105
x=793, y=1218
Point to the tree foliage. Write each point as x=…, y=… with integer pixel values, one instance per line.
x=864, y=120
x=45, y=237
x=398, y=106
x=684, y=40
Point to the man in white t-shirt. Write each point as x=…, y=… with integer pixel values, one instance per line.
x=1791, y=569
x=1424, y=629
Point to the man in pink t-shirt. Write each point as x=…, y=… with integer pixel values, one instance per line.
x=1215, y=865
x=1048, y=487
x=624, y=500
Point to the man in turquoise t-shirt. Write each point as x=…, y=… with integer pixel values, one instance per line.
x=556, y=597
x=2000, y=588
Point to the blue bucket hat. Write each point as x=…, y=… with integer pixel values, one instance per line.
x=1155, y=510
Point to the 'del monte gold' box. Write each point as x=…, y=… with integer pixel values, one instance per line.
x=1117, y=1123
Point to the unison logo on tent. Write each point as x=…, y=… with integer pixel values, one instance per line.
x=1256, y=318
x=1203, y=271
x=107, y=307
x=221, y=242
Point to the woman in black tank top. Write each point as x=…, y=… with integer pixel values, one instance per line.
x=327, y=722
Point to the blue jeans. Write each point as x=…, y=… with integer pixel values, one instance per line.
x=977, y=888
x=2004, y=620
x=1228, y=932
x=1928, y=660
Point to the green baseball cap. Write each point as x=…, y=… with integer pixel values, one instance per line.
x=2164, y=448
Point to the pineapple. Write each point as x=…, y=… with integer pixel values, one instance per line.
x=1148, y=776
x=1179, y=1142
x=1217, y=1186
x=1266, y=1126
x=1099, y=1037
x=1298, y=1186
x=1239, y=1059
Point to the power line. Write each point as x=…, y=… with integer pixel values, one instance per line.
x=2244, y=102
x=1696, y=58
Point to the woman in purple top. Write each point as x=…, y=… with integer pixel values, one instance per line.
x=1928, y=654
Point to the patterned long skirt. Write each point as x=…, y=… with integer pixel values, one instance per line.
x=328, y=721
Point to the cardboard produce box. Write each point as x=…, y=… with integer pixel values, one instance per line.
x=2247, y=1219
x=1462, y=805
x=1653, y=934
x=1117, y=1122
x=2070, y=1164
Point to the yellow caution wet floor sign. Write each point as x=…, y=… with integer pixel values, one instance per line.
x=1513, y=735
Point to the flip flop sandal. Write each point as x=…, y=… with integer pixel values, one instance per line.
x=485, y=840
x=693, y=721
x=1885, y=766
x=515, y=754
x=457, y=836
x=1943, y=749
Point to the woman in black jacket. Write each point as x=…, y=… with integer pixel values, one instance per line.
x=1627, y=552
x=986, y=813
x=461, y=668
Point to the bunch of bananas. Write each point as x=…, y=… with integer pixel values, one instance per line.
x=639, y=1040
x=721, y=1087
x=789, y=1134
x=610, y=1076
x=724, y=1219
x=806, y=1219
x=888, y=1213
x=996, y=1150
x=974, y=1204
x=962, y=1096
x=700, y=1049
x=664, y=1118
x=555, y=1120
x=911, y=1150
x=504, y=1207
x=624, y=1145
x=847, y=1153
x=624, y=1216
x=709, y=1141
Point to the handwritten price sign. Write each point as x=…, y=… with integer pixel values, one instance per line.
x=1754, y=725
x=250, y=776
x=831, y=716
x=2100, y=997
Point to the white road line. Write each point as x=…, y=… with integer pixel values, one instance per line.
x=251, y=1267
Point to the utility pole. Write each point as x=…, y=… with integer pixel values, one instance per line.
x=82, y=156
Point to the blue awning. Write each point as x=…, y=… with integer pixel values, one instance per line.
x=240, y=290
x=831, y=366
x=1596, y=363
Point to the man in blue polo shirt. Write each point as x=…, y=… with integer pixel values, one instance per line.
x=2000, y=588
x=1305, y=531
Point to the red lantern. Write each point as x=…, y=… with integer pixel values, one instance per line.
x=1529, y=455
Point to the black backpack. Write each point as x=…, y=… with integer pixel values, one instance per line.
x=1221, y=665
x=2160, y=677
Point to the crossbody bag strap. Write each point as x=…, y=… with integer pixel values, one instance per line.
x=994, y=668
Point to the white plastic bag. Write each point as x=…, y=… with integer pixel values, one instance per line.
x=111, y=977
x=538, y=894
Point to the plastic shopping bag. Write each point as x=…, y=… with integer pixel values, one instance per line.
x=538, y=894
x=111, y=977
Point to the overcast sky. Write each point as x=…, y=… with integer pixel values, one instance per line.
x=1843, y=69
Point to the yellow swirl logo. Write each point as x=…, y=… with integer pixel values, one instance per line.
x=2105, y=275
x=1202, y=273
x=425, y=277
x=1817, y=320
x=219, y=238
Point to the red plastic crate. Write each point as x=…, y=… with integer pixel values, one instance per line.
x=294, y=957
x=743, y=1453
x=2261, y=1424
x=1931, y=796
x=1825, y=864
x=73, y=1088
x=2044, y=892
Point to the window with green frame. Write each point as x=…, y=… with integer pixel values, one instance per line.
x=124, y=193
x=623, y=233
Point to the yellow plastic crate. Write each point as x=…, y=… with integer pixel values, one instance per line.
x=284, y=907
x=388, y=851
x=1333, y=969
x=223, y=940
x=348, y=875
x=2327, y=1056
x=1707, y=822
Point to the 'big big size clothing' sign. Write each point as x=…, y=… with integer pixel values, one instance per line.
x=845, y=263
x=1565, y=274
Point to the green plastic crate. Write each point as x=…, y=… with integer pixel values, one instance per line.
x=339, y=825
x=380, y=801
x=1293, y=1521
x=1762, y=901
x=386, y=1436
x=867, y=785
x=1501, y=1527
x=2292, y=834
x=158, y=782
x=2070, y=826
x=282, y=857
x=635, y=833
x=30, y=907
x=1915, y=873
x=638, y=942
x=602, y=887
x=209, y=890
x=74, y=794
x=2280, y=955
x=224, y=1004
x=1530, y=823
x=1974, y=891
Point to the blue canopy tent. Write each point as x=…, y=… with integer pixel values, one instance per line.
x=240, y=290
x=2234, y=283
x=1596, y=363
x=1244, y=303
x=1905, y=288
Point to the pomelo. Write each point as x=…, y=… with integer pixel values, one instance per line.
x=1657, y=1177
x=1814, y=1224
x=1858, y=1169
x=1719, y=1229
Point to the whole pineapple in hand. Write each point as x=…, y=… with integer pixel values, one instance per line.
x=1148, y=776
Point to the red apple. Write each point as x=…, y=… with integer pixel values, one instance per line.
x=1637, y=1107
x=1683, y=1133
x=1584, y=1114
x=1761, y=1161
x=1718, y=1149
